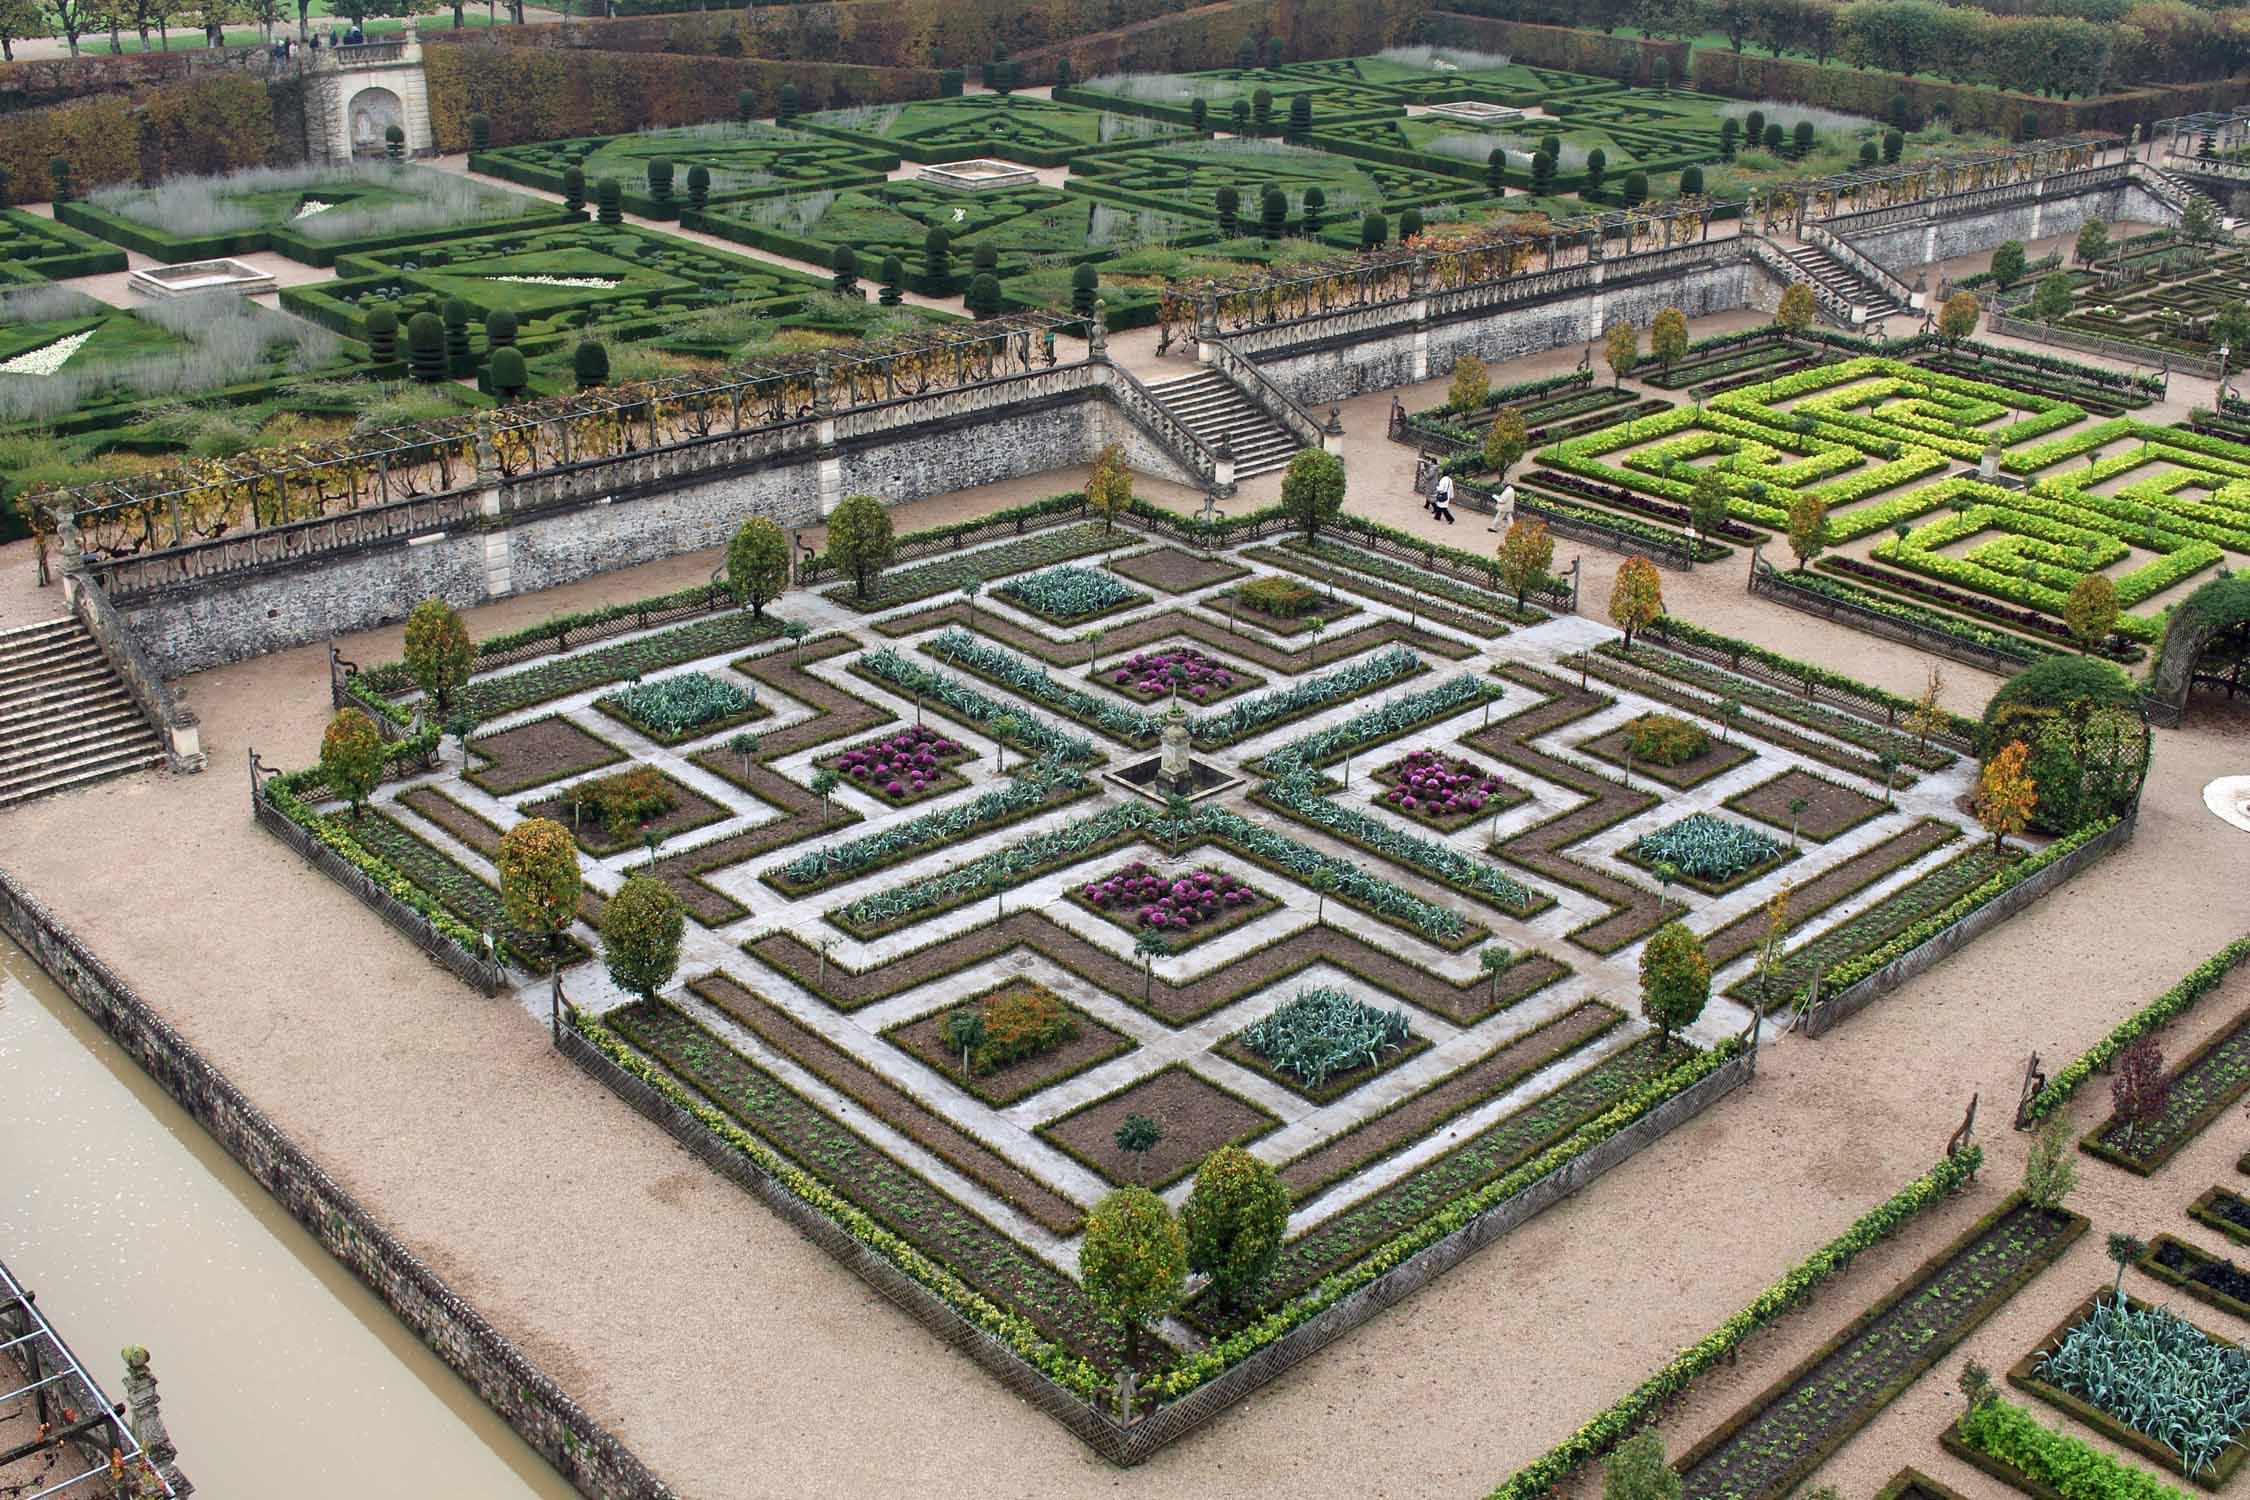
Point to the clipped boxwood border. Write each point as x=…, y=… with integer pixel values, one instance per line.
x=2099, y=1465
x=1645, y=1402
x=2173, y=1003
x=1970, y=1320
x=1869, y=816
x=1046, y=1130
x=2205, y=1211
x=1235, y=1050
x=1125, y=1043
x=2023, y=1375
x=607, y=705
x=2144, y=1166
x=1911, y=1483
x=2196, y=1289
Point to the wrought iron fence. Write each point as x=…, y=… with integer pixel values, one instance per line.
x=1768, y=582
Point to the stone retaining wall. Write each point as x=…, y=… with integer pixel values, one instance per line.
x=545, y=1417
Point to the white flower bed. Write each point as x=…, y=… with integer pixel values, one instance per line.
x=47, y=358
x=598, y=283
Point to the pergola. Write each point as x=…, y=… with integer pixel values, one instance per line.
x=79, y=1438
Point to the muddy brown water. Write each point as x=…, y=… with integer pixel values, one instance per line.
x=281, y=1374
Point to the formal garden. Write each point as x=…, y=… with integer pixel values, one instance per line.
x=664, y=173
x=1162, y=1074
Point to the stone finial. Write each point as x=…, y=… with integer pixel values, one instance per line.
x=488, y=457
x=1097, y=331
x=147, y=1421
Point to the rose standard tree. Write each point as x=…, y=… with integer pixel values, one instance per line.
x=539, y=880
x=439, y=652
x=860, y=542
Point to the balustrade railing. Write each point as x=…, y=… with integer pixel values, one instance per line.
x=1795, y=275
x=1270, y=398
x=1868, y=268
x=1156, y=419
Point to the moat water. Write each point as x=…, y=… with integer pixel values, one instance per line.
x=281, y=1374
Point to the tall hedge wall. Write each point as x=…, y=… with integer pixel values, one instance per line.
x=871, y=33
x=538, y=94
x=35, y=82
x=216, y=122
x=1207, y=36
x=1564, y=47
x=1742, y=76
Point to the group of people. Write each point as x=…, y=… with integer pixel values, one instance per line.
x=285, y=47
x=1439, y=502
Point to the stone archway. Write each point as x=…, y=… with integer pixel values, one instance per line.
x=371, y=113
x=2212, y=616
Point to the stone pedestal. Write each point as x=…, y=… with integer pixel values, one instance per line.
x=1173, y=772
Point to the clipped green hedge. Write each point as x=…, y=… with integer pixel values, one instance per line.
x=2174, y=1002
x=1641, y=1405
x=373, y=685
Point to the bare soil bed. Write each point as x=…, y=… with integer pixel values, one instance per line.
x=1196, y=1117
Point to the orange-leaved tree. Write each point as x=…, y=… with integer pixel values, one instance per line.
x=1637, y=598
x=2006, y=793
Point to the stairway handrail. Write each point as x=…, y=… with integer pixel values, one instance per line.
x=1156, y=419
x=1770, y=255
x=1870, y=269
x=1245, y=375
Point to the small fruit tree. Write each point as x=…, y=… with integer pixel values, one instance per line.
x=1312, y=491
x=1505, y=442
x=1472, y=383
x=1109, y=488
x=1133, y=1261
x=439, y=652
x=2006, y=794
x=2091, y=610
x=1621, y=349
x=757, y=564
x=1526, y=553
x=1637, y=598
x=1959, y=318
x=351, y=757
x=1234, y=1220
x=539, y=880
x=1668, y=337
x=1675, y=979
x=1795, y=314
x=641, y=929
x=860, y=541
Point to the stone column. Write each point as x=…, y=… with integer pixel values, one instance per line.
x=147, y=1421
x=1206, y=321
x=1097, y=331
x=1332, y=436
x=72, y=553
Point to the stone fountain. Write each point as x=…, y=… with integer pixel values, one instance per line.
x=1172, y=771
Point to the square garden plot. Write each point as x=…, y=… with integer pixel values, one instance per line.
x=1001, y=1083
x=1445, y=792
x=688, y=706
x=1024, y=227
x=1069, y=594
x=1195, y=1115
x=1322, y=1043
x=1185, y=907
x=1830, y=809
x=1176, y=572
x=754, y=160
x=628, y=278
x=613, y=813
x=1152, y=676
x=902, y=766
x=1709, y=854
x=1285, y=606
x=1015, y=127
x=310, y=214
x=1715, y=758
x=533, y=754
x=2147, y=1378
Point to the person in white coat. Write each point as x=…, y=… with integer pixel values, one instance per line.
x=1504, y=509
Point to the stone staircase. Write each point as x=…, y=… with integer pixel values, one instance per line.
x=1212, y=406
x=65, y=718
x=2189, y=187
x=1825, y=270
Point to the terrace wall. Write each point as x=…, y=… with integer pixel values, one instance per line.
x=1331, y=359
x=1895, y=239
x=565, y=525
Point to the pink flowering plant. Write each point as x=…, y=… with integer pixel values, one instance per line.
x=1444, y=791
x=902, y=766
x=1201, y=677
x=1183, y=907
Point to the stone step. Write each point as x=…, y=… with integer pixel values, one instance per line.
x=79, y=772
x=76, y=741
x=25, y=715
x=28, y=671
x=48, y=687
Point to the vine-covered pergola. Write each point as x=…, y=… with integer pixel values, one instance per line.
x=205, y=499
x=1786, y=206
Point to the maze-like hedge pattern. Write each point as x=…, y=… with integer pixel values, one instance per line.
x=754, y=160
x=1188, y=178
x=1027, y=228
x=2171, y=309
x=1891, y=448
x=1014, y=127
x=1519, y=84
x=551, y=281
x=33, y=249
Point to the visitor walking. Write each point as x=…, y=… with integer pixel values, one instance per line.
x=1441, y=499
x=1503, y=509
x=1441, y=493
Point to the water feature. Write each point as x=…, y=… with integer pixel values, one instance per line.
x=281, y=1374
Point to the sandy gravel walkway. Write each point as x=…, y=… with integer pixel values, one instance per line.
x=740, y=1361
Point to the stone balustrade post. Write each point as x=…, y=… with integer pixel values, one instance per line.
x=147, y=1421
